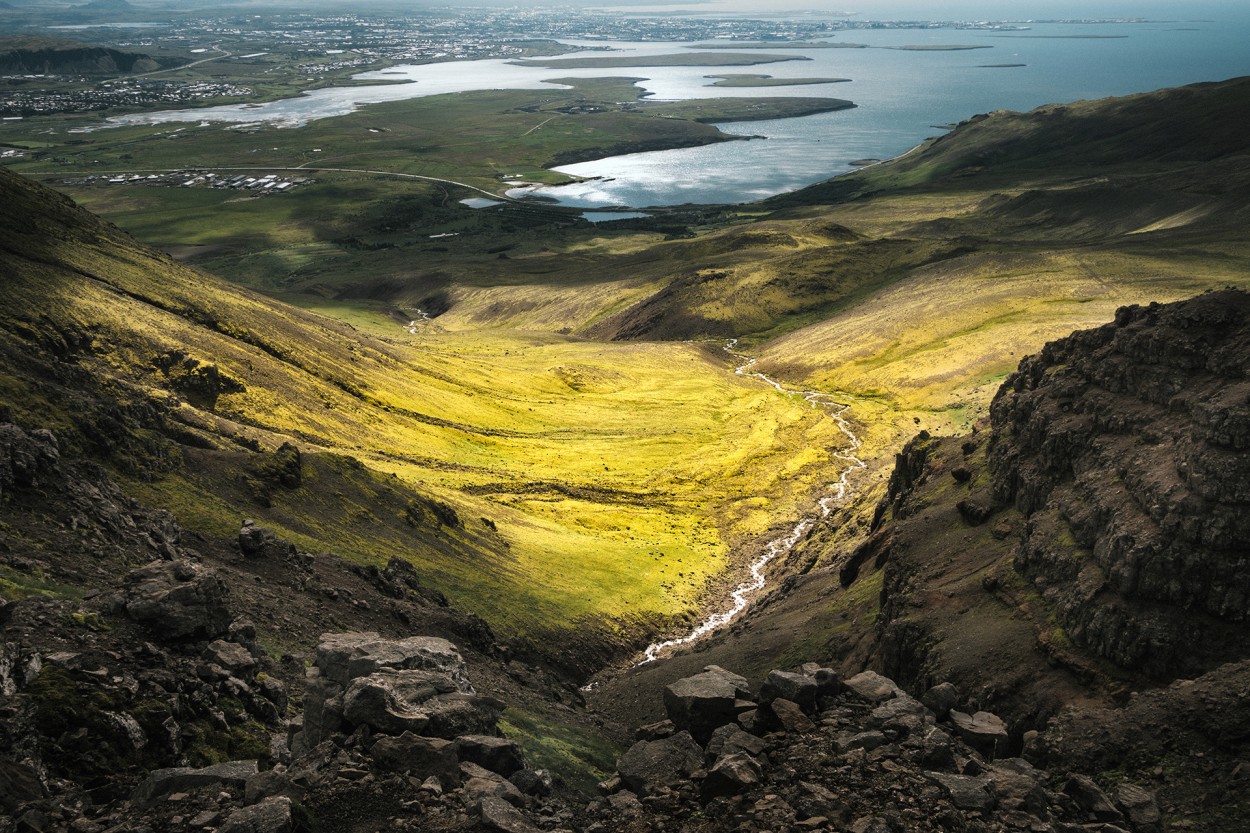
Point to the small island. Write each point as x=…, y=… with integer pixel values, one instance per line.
x=1064, y=37
x=676, y=59
x=794, y=44
x=746, y=80
x=718, y=110
x=937, y=47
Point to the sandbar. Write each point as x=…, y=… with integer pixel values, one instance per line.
x=676, y=59
x=769, y=81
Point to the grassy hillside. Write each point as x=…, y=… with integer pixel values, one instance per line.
x=564, y=390
x=597, y=486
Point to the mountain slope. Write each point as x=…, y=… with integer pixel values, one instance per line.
x=599, y=489
x=51, y=56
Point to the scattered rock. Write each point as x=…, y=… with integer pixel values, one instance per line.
x=1091, y=799
x=498, y=814
x=790, y=716
x=966, y=792
x=871, y=686
x=1140, y=808
x=272, y=815
x=732, y=774
x=18, y=784
x=983, y=731
x=533, y=781
x=974, y=512
x=231, y=656
x=652, y=764
x=701, y=703
x=729, y=739
x=162, y=782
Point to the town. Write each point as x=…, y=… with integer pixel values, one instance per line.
x=123, y=92
x=267, y=184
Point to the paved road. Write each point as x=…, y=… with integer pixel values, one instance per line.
x=221, y=54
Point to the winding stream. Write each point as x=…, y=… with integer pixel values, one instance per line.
x=785, y=543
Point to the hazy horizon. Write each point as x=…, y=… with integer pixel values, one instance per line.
x=946, y=9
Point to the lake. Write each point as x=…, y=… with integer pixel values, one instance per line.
x=902, y=97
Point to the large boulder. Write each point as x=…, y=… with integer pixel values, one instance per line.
x=178, y=600
x=418, y=684
x=704, y=702
x=342, y=657
x=786, y=685
x=871, y=686
x=496, y=754
x=162, y=782
x=390, y=701
x=652, y=764
x=419, y=757
x=262, y=542
x=983, y=731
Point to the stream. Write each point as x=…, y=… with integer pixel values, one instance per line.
x=782, y=545
x=778, y=546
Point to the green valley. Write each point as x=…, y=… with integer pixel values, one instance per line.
x=571, y=387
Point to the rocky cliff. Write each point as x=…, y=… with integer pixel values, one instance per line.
x=1084, y=547
x=1127, y=448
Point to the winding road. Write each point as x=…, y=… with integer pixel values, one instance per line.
x=778, y=546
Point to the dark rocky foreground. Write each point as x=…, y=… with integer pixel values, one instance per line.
x=393, y=736
x=815, y=752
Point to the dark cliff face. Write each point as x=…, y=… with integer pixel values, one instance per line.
x=88, y=60
x=1093, y=542
x=1127, y=448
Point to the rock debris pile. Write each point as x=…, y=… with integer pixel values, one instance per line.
x=816, y=752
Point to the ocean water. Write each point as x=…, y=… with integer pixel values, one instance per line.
x=901, y=97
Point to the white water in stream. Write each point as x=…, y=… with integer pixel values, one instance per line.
x=778, y=546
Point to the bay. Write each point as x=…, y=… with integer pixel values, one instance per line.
x=902, y=96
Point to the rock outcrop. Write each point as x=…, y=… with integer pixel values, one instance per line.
x=1127, y=448
x=419, y=684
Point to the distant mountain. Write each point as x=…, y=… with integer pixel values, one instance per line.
x=47, y=56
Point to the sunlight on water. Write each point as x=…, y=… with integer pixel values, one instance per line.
x=902, y=97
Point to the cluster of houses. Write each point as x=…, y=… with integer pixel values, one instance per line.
x=127, y=92
x=266, y=184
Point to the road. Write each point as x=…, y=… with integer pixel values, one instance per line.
x=221, y=54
